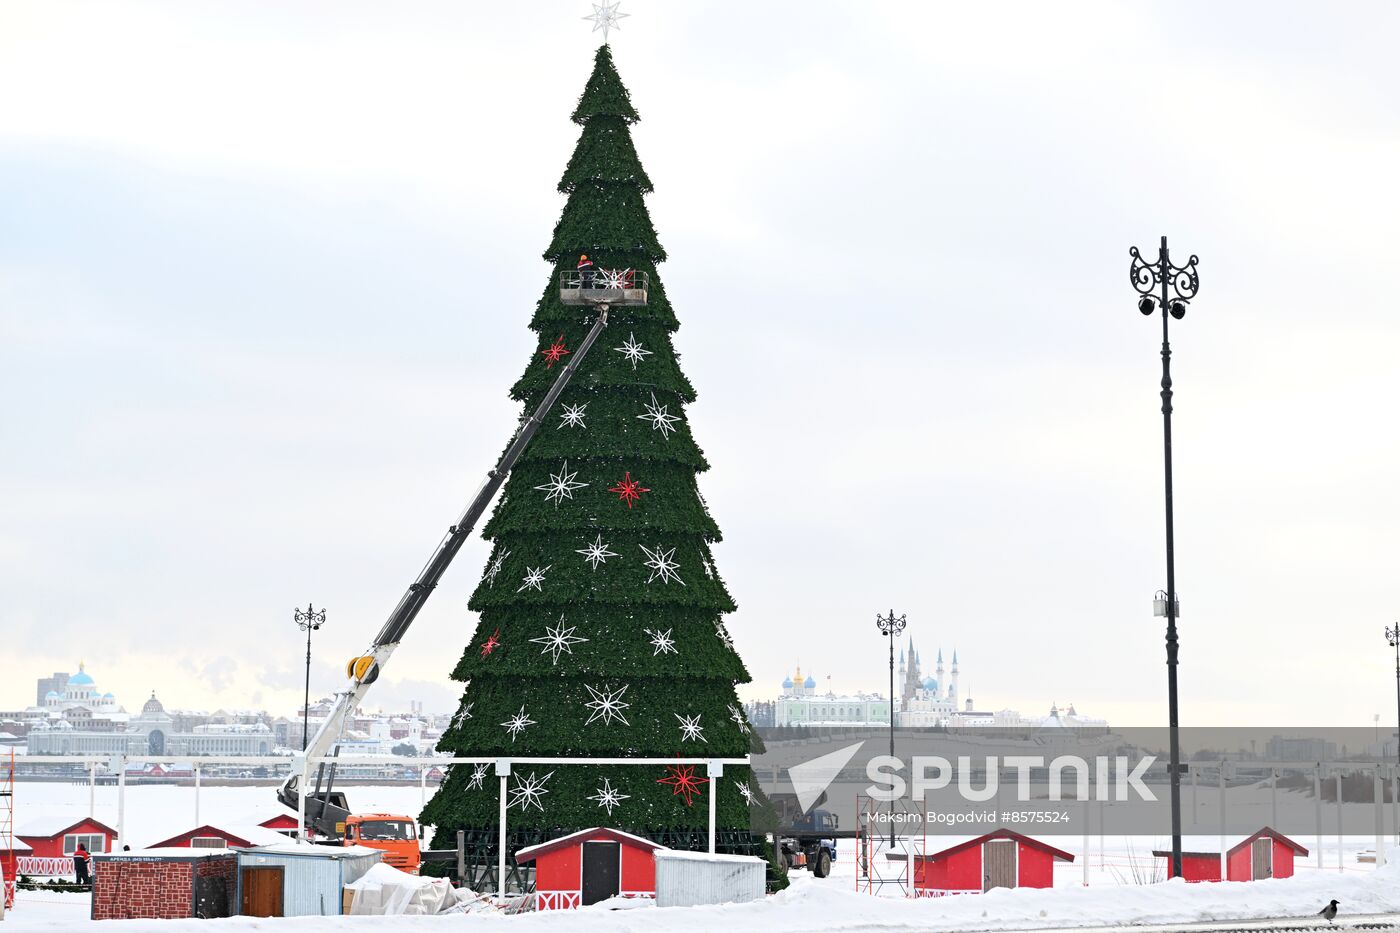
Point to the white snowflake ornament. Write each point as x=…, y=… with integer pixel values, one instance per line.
x=632, y=351
x=528, y=792
x=534, y=579
x=561, y=485
x=495, y=567
x=606, y=705
x=661, y=642
x=691, y=730
x=662, y=564
x=660, y=419
x=596, y=553
x=573, y=416
x=517, y=723
x=558, y=640
x=609, y=796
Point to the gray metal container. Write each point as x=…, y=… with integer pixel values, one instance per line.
x=687, y=879
x=314, y=877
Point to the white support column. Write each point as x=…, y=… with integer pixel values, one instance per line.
x=1380, y=816
x=503, y=770
x=1395, y=800
x=1103, y=859
x=301, y=797
x=121, y=801
x=714, y=770
x=1273, y=799
x=92, y=790
x=1317, y=800
x=1223, y=857
x=1341, y=864
x=1084, y=858
x=196, y=793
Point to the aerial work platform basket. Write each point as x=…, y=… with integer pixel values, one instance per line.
x=615, y=288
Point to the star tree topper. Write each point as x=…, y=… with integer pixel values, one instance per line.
x=605, y=16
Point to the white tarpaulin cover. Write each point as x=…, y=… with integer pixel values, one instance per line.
x=386, y=890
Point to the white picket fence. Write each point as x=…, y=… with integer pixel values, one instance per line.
x=34, y=866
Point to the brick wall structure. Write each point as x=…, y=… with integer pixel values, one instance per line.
x=151, y=889
x=158, y=887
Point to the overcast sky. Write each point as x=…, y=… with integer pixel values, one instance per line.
x=266, y=270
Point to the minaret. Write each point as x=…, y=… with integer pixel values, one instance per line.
x=938, y=673
x=911, y=681
x=953, y=684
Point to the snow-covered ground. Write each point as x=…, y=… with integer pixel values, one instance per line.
x=1114, y=895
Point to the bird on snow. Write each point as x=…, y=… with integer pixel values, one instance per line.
x=1330, y=911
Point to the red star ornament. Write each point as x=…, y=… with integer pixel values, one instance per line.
x=628, y=490
x=683, y=781
x=556, y=352
x=491, y=644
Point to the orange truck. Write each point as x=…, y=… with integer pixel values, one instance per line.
x=394, y=835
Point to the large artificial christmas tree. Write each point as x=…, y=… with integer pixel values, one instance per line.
x=601, y=628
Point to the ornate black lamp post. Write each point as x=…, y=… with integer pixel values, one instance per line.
x=308, y=620
x=1168, y=288
x=1392, y=635
x=890, y=627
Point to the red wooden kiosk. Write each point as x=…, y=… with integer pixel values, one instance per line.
x=1000, y=859
x=591, y=865
x=1266, y=854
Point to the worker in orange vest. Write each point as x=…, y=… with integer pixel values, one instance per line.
x=80, y=864
x=585, y=271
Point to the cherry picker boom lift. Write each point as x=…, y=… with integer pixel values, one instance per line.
x=326, y=809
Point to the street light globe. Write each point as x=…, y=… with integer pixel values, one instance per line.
x=1178, y=309
x=1147, y=305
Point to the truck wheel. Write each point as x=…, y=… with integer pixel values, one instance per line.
x=822, y=867
x=787, y=861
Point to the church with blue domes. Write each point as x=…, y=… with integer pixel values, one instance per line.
x=801, y=704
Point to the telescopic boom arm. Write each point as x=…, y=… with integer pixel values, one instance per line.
x=325, y=810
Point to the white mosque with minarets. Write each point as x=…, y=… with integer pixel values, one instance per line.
x=921, y=701
x=928, y=701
